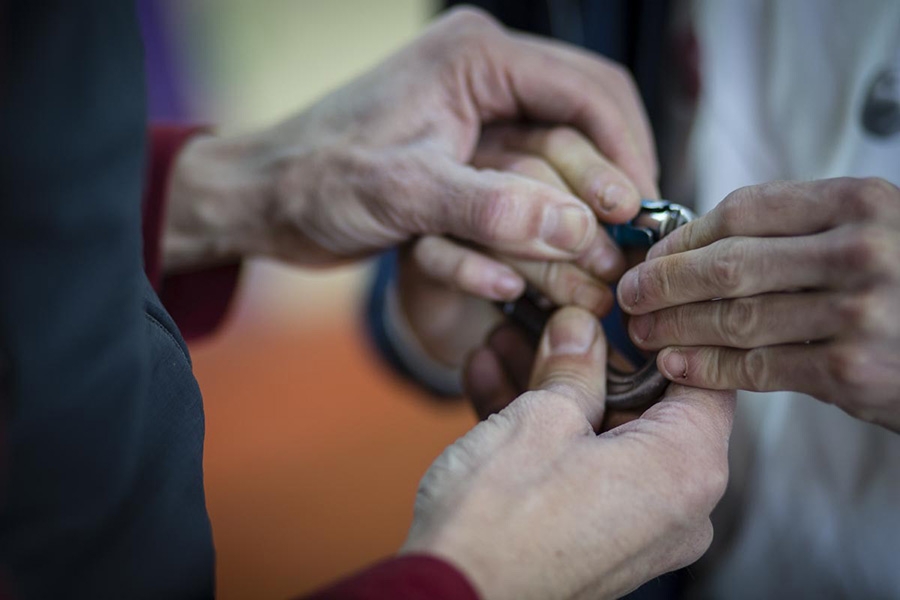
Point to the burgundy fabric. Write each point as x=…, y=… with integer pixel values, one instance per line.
x=199, y=300
x=412, y=577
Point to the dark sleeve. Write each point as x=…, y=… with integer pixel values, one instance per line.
x=101, y=423
x=199, y=300
x=414, y=577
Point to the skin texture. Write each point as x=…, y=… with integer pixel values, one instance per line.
x=387, y=158
x=533, y=504
x=441, y=280
x=808, y=281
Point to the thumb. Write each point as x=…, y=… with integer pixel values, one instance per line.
x=571, y=361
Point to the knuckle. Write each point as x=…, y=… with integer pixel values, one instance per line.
x=490, y=218
x=465, y=34
x=867, y=251
x=868, y=198
x=470, y=18
x=738, y=322
x=558, y=279
x=754, y=370
x=845, y=366
x=862, y=314
x=655, y=281
x=549, y=274
x=728, y=258
x=736, y=208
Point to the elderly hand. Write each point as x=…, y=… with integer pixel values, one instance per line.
x=386, y=158
x=533, y=504
x=784, y=286
x=442, y=283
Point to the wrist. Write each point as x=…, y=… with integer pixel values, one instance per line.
x=216, y=204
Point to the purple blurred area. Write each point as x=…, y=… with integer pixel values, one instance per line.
x=166, y=99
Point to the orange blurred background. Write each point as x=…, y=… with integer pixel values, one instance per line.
x=313, y=449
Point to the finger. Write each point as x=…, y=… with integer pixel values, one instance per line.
x=859, y=378
x=470, y=271
x=571, y=361
x=795, y=367
x=466, y=269
x=847, y=258
x=550, y=83
x=487, y=385
x=585, y=171
x=505, y=212
x=764, y=320
x=565, y=284
x=490, y=155
x=615, y=83
x=515, y=351
x=602, y=258
x=787, y=208
x=510, y=77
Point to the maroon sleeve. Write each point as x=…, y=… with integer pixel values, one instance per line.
x=412, y=577
x=199, y=300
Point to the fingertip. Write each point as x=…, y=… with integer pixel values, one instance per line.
x=672, y=363
x=487, y=278
x=618, y=202
x=571, y=361
x=508, y=285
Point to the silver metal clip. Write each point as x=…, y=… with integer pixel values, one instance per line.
x=624, y=391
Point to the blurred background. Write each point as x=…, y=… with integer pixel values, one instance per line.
x=313, y=449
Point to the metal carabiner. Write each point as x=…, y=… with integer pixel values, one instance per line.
x=624, y=391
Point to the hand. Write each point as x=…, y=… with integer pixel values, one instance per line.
x=441, y=281
x=809, y=280
x=532, y=504
x=386, y=158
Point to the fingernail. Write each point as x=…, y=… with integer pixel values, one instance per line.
x=572, y=333
x=590, y=296
x=674, y=364
x=628, y=290
x=641, y=326
x=613, y=197
x=507, y=286
x=566, y=227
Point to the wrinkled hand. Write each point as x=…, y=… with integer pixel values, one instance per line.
x=532, y=504
x=442, y=282
x=386, y=158
x=809, y=280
